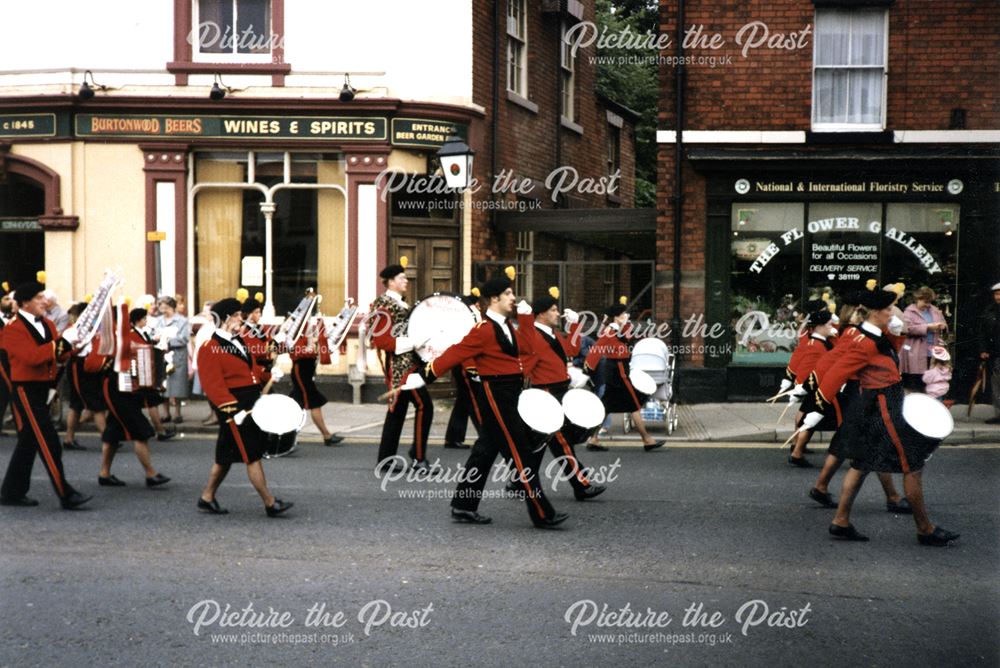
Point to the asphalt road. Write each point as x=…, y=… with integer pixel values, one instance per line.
x=141, y=577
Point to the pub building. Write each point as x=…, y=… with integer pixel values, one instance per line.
x=809, y=169
x=167, y=142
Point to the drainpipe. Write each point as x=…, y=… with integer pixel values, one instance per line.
x=678, y=197
x=495, y=106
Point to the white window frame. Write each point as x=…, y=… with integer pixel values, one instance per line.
x=853, y=127
x=517, y=47
x=524, y=254
x=567, y=65
x=199, y=56
x=613, y=149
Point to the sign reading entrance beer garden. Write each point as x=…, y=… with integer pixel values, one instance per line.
x=424, y=132
x=341, y=128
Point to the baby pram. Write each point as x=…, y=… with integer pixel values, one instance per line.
x=652, y=356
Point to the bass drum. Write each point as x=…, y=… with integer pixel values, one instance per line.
x=928, y=416
x=438, y=322
x=542, y=414
x=281, y=419
x=584, y=414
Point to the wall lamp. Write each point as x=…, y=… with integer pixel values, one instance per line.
x=86, y=91
x=219, y=89
x=347, y=92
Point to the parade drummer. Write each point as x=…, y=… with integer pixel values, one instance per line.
x=126, y=423
x=495, y=346
x=852, y=314
x=231, y=379
x=86, y=371
x=619, y=394
x=803, y=362
x=259, y=340
x=152, y=397
x=34, y=352
x=880, y=440
x=386, y=328
x=8, y=312
x=312, y=347
x=465, y=406
x=547, y=367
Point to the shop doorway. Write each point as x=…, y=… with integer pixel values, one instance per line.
x=22, y=241
x=432, y=264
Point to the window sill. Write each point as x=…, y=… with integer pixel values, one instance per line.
x=181, y=69
x=570, y=125
x=614, y=200
x=522, y=101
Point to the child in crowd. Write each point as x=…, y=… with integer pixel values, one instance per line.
x=937, y=377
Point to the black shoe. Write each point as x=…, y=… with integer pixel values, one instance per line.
x=589, y=492
x=23, y=502
x=847, y=533
x=392, y=468
x=992, y=420
x=74, y=500
x=278, y=507
x=165, y=419
x=550, y=522
x=72, y=445
x=800, y=462
x=333, y=440
x=822, y=498
x=596, y=447
x=157, y=480
x=653, y=446
x=901, y=507
x=423, y=466
x=212, y=507
x=469, y=517
x=110, y=481
x=178, y=420
x=938, y=538
x=456, y=446
x=166, y=436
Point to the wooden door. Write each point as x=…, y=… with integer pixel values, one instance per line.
x=432, y=266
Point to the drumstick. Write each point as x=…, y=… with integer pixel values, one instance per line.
x=789, y=439
x=781, y=394
x=782, y=416
x=388, y=394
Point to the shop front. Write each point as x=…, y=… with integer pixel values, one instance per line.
x=783, y=229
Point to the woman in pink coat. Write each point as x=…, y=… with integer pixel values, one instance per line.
x=924, y=326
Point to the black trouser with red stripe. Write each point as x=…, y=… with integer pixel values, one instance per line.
x=6, y=392
x=562, y=442
x=458, y=423
x=37, y=435
x=395, y=418
x=506, y=433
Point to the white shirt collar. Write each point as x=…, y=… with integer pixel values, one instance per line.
x=818, y=336
x=395, y=295
x=493, y=315
x=868, y=327
x=39, y=327
x=544, y=328
x=229, y=337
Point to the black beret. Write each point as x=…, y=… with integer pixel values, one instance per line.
x=251, y=305
x=470, y=300
x=225, y=308
x=876, y=300
x=820, y=317
x=852, y=298
x=543, y=304
x=392, y=271
x=615, y=310
x=26, y=291
x=137, y=314
x=495, y=286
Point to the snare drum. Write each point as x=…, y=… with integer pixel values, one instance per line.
x=584, y=413
x=642, y=382
x=542, y=414
x=438, y=322
x=280, y=418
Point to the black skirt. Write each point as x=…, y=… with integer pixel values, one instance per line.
x=620, y=396
x=831, y=414
x=304, y=390
x=85, y=388
x=125, y=419
x=245, y=443
x=880, y=439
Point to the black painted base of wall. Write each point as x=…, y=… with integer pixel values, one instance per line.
x=336, y=388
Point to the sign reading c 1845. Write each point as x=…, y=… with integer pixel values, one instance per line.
x=27, y=125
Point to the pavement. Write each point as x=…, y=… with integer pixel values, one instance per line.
x=699, y=554
x=706, y=423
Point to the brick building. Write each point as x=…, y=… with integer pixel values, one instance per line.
x=823, y=143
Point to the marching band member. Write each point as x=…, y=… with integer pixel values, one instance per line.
x=34, y=352
x=126, y=423
x=388, y=319
x=852, y=314
x=86, y=371
x=231, y=379
x=495, y=346
x=305, y=352
x=259, y=340
x=803, y=362
x=619, y=394
x=464, y=408
x=8, y=311
x=879, y=439
x=547, y=370
x=76, y=407
x=152, y=397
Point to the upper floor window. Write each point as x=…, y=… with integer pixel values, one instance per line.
x=614, y=149
x=235, y=29
x=849, y=70
x=517, y=48
x=567, y=63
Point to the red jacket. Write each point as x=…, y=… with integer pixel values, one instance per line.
x=546, y=366
x=861, y=358
x=220, y=370
x=609, y=346
x=806, y=356
x=481, y=347
x=31, y=358
x=321, y=349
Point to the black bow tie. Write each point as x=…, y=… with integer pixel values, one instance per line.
x=40, y=319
